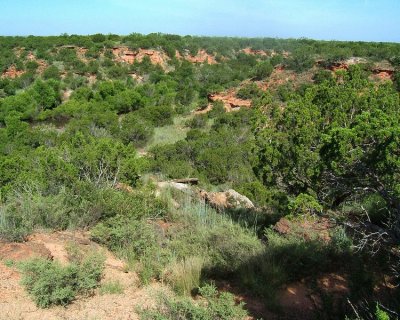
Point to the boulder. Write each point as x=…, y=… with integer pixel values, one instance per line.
x=229, y=199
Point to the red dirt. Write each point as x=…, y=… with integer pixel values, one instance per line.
x=12, y=72
x=255, y=307
x=278, y=77
x=230, y=101
x=81, y=53
x=124, y=54
x=201, y=57
x=42, y=63
x=382, y=74
x=296, y=301
x=16, y=304
x=300, y=300
x=23, y=251
x=204, y=110
x=308, y=229
x=338, y=66
x=253, y=52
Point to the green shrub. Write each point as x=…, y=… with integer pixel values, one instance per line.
x=304, y=204
x=158, y=115
x=49, y=283
x=136, y=130
x=212, y=306
x=134, y=240
x=249, y=91
x=380, y=314
x=199, y=121
x=23, y=212
x=263, y=70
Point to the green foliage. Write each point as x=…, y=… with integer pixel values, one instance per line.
x=51, y=72
x=263, y=70
x=323, y=75
x=112, y=287
x=136, y=130
x=396, y=81
x=184, y=276
x=50, y=283
x=222, y=156
x=305, y=204
x=212, y=306
x=157, y=115
x=249, y=91
x=301, y=59
x=334, y=131
x=330, y=146
x=98, y=37
x=380, y=314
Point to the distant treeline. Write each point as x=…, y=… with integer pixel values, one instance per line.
x=221, y=45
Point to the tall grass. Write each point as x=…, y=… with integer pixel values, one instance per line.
x=184, y=276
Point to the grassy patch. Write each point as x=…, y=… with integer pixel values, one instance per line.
x=184, y=276
x=9, y=263
x=111, y=287
x=171, y=133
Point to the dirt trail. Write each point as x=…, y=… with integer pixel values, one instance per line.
x=16, y=304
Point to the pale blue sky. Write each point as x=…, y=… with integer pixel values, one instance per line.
x=376, y=20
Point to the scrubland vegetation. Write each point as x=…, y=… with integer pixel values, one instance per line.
x=307, y=153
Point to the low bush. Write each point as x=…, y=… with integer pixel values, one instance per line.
x=49, y=283
x=212, y=306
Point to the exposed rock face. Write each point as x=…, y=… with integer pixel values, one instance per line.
x=124, y=54
x=12, y=72
x=42, y=63
x=229, y=199
x=383, y=74
x=201, y=57
x=230, y=101
x=173, y=185
x=252, y=52
x=383, y=70
x=338, y=66
x=81, y=53
x=263, y=53
x=208, y=108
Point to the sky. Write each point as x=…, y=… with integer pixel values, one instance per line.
x=359, y=20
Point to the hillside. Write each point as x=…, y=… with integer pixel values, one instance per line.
x=169, y=177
